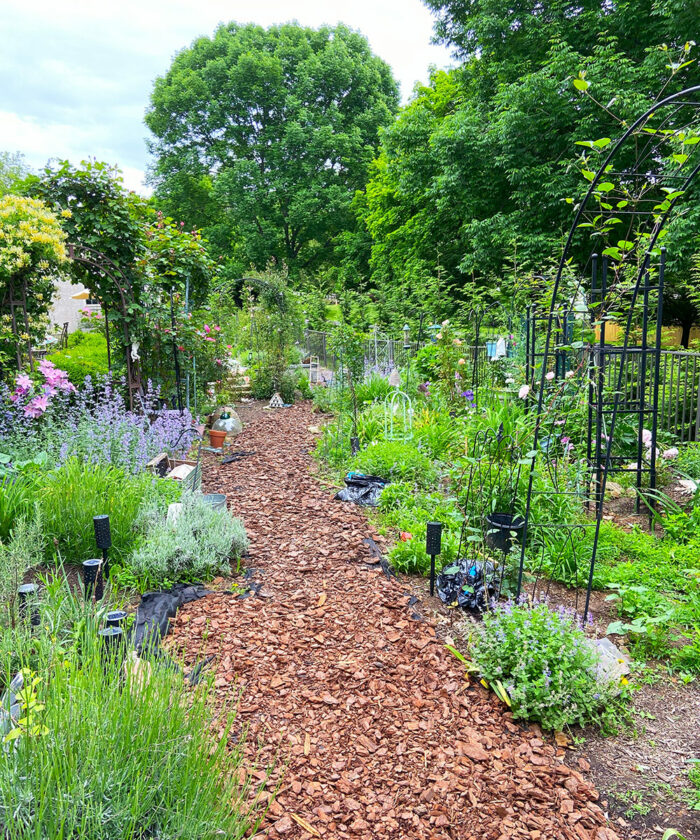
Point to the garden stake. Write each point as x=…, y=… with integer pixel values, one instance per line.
x=103, y=538
x=92, y=579
x=433, y=535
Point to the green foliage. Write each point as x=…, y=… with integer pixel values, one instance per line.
x=253, y=169
x=17, y=496
x=77, y=491
x=165, y=764
x=32, y=249
x=198, y=545
x=371, y=390
x=23, y=549
x=13, y=169
x=395, y=460
x=86, y=355
x=543, y=661
x=688, y=461
x=450, y=197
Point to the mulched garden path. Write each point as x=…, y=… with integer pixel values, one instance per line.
x=344, y=686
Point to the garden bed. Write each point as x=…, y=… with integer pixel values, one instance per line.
x=337, y=669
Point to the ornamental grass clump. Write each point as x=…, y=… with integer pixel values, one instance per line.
x=544, y=662
x=112, y=748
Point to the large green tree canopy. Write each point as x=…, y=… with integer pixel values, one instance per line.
x=473, y=177
x=263, y=136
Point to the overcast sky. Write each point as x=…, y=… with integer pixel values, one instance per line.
x=76, y=75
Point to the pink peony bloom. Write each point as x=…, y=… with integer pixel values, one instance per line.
x=646, y=438
x=550, y=376
x=670, y=453
x=524, y=391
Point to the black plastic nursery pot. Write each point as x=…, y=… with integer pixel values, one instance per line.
x=503, y=530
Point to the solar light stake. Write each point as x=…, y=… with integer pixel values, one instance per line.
x=103, y=538
x=92, y=579
x=115, y=618
x=433, y=539
x=27, y=592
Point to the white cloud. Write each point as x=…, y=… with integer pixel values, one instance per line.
x=76, y=75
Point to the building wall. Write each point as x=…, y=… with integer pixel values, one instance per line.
x=65, y=308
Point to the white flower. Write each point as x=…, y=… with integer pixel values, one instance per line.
x=569, y=374
x=550, y=376
x=510, y=381
x=524, y=391
x=670, y=453
x=646, y=438
x=445, y=323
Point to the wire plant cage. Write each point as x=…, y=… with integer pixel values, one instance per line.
x=398, y=416
x=642, y=182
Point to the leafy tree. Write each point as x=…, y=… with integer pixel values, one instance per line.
x=263, y=136
x=479, y=165
x=13, y=170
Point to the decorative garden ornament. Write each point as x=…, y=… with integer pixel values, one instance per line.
x=276, y=401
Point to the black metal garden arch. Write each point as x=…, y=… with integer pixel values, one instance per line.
x=643, y=180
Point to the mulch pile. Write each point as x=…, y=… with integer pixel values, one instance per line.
x=373, y=728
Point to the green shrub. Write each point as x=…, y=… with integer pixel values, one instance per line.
x=543, y=661
x=688, y=460
x=195, y=547
x=395, y=460
x=74, y=493
x=86, y=355
x=261, y=383
x=111, y=752
x=289, y=386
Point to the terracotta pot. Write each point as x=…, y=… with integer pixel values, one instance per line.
x=217, y=438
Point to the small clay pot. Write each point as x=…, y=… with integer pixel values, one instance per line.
x=217, y=438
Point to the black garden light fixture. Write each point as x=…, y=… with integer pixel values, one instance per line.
x=112, y=644
x=115, y=618
x=26, y=593
x=103, y=538
x=406, y=337
x=92, y=579
x=433, y=545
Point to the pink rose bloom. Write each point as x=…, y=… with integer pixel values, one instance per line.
x=524, y=391
x=550, y=376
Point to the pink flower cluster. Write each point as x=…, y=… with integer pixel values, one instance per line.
x=55, y=380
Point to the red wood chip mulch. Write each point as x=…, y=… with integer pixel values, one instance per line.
x=373, y=728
